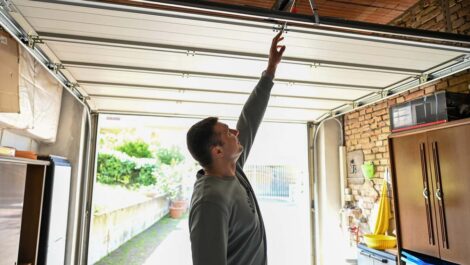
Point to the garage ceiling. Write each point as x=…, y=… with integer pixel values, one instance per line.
x=142, y=60
x=373, y=11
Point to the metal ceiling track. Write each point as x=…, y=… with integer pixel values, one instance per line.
x=29, y=43
x=392, y=91
x=66, y=38
x=188, y=74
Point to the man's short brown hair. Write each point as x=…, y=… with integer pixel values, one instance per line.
x=200, y=138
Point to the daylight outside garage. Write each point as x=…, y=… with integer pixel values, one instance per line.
x=133, y=222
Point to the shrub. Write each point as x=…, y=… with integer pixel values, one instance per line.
x=137, y=148
x=170, y=156
x=169, y=181
x=147, y=175
x=113, y=170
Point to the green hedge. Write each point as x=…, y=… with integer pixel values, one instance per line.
x=132, y=164
x=137, y=148
x=170, y=156
x=112, y=170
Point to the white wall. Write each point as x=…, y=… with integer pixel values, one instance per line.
x=10, y=138
x=69, y=143
x=328, y=235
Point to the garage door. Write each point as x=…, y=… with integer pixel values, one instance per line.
x=157, y=61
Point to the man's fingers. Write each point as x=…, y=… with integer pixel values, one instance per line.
x=277, y=37
x=275, y=42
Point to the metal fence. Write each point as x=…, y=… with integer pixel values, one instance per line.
x=271, y=181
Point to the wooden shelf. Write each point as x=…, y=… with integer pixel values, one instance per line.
x=29, y=194
x=24, y=161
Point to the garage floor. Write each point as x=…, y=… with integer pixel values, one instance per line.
x=167, y=242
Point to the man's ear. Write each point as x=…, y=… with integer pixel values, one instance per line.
x=217, y=151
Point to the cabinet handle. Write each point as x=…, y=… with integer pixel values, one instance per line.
x=424, y=172
x=373, y=257
x=439, y=195
x=426, y=193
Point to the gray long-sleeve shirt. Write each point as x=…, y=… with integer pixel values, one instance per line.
x=225, y=222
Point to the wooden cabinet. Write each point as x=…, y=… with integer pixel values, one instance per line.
x=431, y=180
x=450, y=168
x=21, y=195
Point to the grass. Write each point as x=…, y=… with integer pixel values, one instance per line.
x=139, y=248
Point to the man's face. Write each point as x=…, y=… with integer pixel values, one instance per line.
x=231, y=147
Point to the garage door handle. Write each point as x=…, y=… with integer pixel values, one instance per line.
x=372, y=256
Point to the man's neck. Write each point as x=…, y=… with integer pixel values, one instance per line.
x=221, y=170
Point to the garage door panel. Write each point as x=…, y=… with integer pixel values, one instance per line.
x=133, y=59
x=197, y=109
x=178, y=81
x=218, y=65
x=121, y=25
x=185, y=95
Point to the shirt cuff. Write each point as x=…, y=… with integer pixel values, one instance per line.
x=266, y=75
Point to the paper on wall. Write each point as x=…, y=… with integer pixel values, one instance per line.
x=40, y=100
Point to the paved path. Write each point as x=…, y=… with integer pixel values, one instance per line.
x=153, y=245
x=175, y=250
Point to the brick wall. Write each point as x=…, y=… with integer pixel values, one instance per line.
x=430, y=15
x=367, y=129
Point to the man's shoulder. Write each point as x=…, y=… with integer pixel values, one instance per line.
x=213, y=187
x=208, y=189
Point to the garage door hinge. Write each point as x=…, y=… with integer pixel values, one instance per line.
x=190, y=53
x=33, y=40
x=74, y=90
x=55, y=67
x=279, y=27
x=423, y=78
x=384, y=93
x=314, y=65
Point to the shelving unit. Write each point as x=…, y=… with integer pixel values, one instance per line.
x=21, y=196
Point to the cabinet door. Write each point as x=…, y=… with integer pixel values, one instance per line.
x=12, y=180
x=450, y=152
x=413, y=186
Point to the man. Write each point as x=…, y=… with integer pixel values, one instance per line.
x=226, y=227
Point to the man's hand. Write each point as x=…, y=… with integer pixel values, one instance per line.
x=275, y=54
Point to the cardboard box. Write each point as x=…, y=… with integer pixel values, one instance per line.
x=9, y=74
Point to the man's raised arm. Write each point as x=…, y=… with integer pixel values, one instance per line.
x=254, y=108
